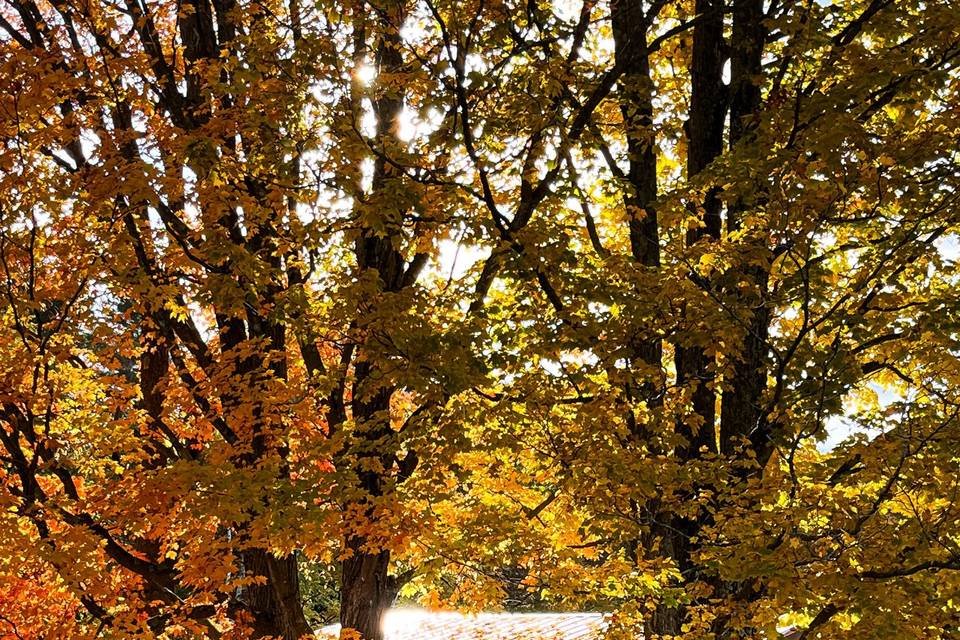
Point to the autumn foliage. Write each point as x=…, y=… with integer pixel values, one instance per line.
x=641, y=307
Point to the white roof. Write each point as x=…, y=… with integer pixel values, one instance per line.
x=418, y=624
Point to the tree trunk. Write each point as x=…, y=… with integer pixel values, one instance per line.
x=636, y=106
x=669, y=533
x=365, y=584
x=667, y=619
x=275, y=604
x=366, y=592
x=740, y=414
x=630, y=26
x=366, y=588
x=704, y=128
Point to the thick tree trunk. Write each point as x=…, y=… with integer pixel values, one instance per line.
x=669, y=533
x=708, y=109
x=367, y=589
x=630, y=26
x=636, y=106
x=674, y=543
x=746, y=57
x=366, y=592
x=365, y=584
x=740, y=414
x=275, y=605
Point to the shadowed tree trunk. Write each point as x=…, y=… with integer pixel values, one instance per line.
x=671, y=534
x=366, y=592
x=367, y=588
x=275, y=605
x=630, y=24
x=741, y=414
x=704, y=132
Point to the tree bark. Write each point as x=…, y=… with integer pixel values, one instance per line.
x=275, y=604
x=740, y=414
x=704, y=128
x=367, y=590
x=630, y=25
x=364, y=588
x=636, y=106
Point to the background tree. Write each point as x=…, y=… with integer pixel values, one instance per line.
x=692, y=303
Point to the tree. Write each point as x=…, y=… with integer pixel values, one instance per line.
x=185, y=407
x=731, y=266
x=702, y=235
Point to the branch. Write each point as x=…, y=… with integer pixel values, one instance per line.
x=819, y=620
x=900, y=572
